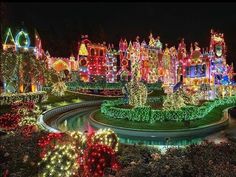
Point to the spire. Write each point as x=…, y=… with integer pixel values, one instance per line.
x=125, y=44
x=137, y=39
x=47, y=54
x=72, y=58
x=196, y=48
x=143, y=44
x=158, y=43
x=109, y=47
x=121, y=44
x=167, y=51
x=130, y=47
x=191, y=48
x=37, y=41
x=151, y=40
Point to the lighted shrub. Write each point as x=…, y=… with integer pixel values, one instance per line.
x=36, y=97
x=145, y=114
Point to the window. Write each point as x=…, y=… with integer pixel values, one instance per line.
x=92, y=52
x=101, y=52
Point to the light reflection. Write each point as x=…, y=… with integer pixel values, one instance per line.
x=80, y=122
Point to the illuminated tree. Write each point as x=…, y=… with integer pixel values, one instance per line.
x=104, y=136
x=59, y=88
x=137, y=91
x=180, y=99
x=190, y=98
x=173, y=101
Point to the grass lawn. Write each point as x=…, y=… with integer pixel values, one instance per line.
x=214, y=116
x=69, y=98
x=56, y=101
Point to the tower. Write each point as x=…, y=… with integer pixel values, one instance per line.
x=124, y=72
x=9, y=41
x=83, y=59
x=152, y=60
x=217, y=55
x=111, y=63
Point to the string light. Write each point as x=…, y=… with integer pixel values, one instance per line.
x=25, y=44
x=63, y=152
x=62, y=161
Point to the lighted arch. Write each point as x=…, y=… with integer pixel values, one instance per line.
x=60, y=65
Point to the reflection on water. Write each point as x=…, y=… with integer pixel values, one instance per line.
x=79, y=122
x=165, y=142
x=162, y=145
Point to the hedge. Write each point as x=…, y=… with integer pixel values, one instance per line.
x=147, y=114
x=37, y=97
x=103, y=85
x=47, y=89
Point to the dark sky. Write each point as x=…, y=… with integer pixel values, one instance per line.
x=60, y=25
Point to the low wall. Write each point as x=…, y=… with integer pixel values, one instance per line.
x=47, y=115
x=179, y=133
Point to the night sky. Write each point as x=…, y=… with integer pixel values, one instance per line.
x=60, y=25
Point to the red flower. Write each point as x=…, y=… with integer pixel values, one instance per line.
x=27, y=130
x=96, y=158
x=9, y=121
x=49, y=142
x=29, y=105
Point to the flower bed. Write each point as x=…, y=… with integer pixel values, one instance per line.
x=36, y=97
x=22, y=118
x=147, y=114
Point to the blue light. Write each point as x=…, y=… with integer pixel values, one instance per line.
x=27, y=43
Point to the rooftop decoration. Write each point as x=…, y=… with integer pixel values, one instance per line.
x=83, y=50
x=9, y=41
x=22, y=40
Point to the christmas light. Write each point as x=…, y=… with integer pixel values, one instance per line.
x=96, y=158
x=21, y=44
x=59, y=88
x=106, y=137
x=9, y=41
x=62, y=161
